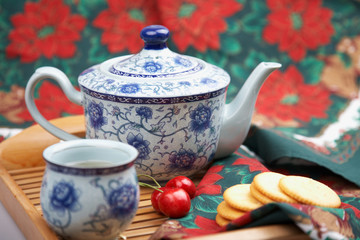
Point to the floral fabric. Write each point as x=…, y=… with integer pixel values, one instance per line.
x=307, y=110
x=242, y=167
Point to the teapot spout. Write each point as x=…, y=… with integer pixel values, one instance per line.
x=238, y=113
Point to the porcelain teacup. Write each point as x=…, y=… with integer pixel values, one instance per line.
x=90, y=188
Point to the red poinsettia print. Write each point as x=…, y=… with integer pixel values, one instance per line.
x=52, y=103
x=285, y=96
x=346, y=206
x=298, y=25
x=197, y=23
x=46, y=28
x=207, y=184
x=206, y=226
x=122, y=22
x=252, y=163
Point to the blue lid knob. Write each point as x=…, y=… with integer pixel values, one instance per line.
x=155, y=37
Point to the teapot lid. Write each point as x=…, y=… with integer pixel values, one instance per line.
x=155, y=71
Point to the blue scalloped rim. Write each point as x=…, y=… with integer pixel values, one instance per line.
x=160, y=100
x=87, y=171
x=195, y=69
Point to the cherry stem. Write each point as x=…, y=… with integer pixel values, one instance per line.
x=148, y=185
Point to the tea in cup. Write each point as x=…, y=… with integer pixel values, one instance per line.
x=90, y=188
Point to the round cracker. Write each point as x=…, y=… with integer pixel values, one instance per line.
x=309, y=191
x=228, y=212
x=221, y=221
x=267, y=183
x=240, y=198
x=259, y=196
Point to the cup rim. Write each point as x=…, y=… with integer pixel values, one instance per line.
x=132, y=151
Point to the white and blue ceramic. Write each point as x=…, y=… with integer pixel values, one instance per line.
x=90, y=188
x=169, y=106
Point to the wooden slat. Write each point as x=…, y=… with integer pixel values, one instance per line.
x=146, y=195
x=34, y=196
x=29, y=181
x=146, y=191
x=148, y=216
x=144, y=210
x=139, y=237
x=144, y=232
x=32, y=190
x=27, y=176
x=144, y=203
x=35, y=201
x=30, y=186
x=21, y=171
x=149, y=223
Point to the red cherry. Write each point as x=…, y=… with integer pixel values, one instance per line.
x=184, y=183
x=174, y=202
x=155, y=198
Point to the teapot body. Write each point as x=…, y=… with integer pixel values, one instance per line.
x=174, y=135
x=170, y=107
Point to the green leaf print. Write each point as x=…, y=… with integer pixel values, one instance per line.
x=230, y=45
x=312, y=68
x=207, y=203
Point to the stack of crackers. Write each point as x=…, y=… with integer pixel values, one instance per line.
x=268, y=187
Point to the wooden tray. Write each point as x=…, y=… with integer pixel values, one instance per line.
x=20, y=181
x=20, y=194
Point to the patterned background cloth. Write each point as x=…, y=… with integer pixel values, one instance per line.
x=307, y=110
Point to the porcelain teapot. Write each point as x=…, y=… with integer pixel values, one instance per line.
x=171, y=107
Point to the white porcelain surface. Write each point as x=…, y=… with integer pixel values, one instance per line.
x=202, y=78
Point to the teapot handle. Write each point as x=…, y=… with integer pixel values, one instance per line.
x=71, y=93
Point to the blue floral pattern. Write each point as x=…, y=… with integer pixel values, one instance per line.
x=122, y=200
x=130, y=88
x=152, y=67
x=207, y=81
x=61, y=201
x=116, y=111
x=185, y=83
x=174, y=138
x=109, y=81
x=140, y=144
x=95, y=112
x=182, y=61
x=200, y=118
x=64, y=197
x=183, y=159
x=122, y=197
x=144, y=112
